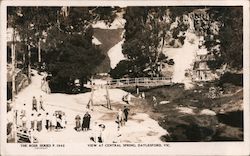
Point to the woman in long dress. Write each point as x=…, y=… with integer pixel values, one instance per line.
x=78, y=123
x=86, y=121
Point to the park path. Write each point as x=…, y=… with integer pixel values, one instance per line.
x=140, y=128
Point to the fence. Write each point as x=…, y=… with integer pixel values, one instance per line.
x=142, y=81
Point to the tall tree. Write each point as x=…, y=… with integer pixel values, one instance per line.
x=66, y=33
x=229, y=37
x=144, y=38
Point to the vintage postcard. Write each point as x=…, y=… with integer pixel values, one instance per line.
x=124, y=77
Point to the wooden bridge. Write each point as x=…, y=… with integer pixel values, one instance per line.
x=124, y=82
x=130, y=82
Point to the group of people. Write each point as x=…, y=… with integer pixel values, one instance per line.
x=39, y=118
x=84, y=124
x=35, y=117
x=98, y=134
x=35, y=104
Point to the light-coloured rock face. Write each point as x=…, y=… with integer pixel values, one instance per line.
x=186, y=110
x=115, y=54
x=207, y=112
x=185, y=55
x=183, y=59
x=96, y=41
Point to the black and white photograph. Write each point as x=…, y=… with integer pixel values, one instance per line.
x=125, y=75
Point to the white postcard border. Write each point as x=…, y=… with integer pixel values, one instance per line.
x=174, y=148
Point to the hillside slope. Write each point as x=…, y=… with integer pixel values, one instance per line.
x=108, y=38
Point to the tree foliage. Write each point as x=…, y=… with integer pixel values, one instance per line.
x=144, y=38
x=66, y=33
x=149, y=28
x=230, y=36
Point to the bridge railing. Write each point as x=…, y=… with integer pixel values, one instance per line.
x=142, y=81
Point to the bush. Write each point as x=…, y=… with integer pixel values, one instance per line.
x=121, y=69
x=235, y=79
x=77, y=58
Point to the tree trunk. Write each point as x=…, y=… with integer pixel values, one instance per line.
x=39, y=51
x=29, y=62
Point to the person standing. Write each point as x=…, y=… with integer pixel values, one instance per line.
x=41, y=103
x=59, y=121
x=53, y=122
x=137, y=90
x=32, y=121
x=120, y=118
x=101, y=138
x=86, y=121
x=47, y=124
x=83, y=123
x=117, y=136
x=143, y=95
x=126, y=98
x=31, y=136
x=64, y=122
x=24, y=121
x=129, y=98
x=39, y=122
x=94, y=132
x=78, y=123
x=155, y=101
x=125, y=111
x=34, y=103
x=23, y=111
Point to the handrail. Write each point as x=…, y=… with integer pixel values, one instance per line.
x=141, y=81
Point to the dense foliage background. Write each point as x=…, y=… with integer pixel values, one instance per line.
x=63, y=36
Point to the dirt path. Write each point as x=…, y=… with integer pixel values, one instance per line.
x=140, y=128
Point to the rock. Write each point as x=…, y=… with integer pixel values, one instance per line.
x=207, y=112
x=194, y=100
x=185, y=110
x=164, y=102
